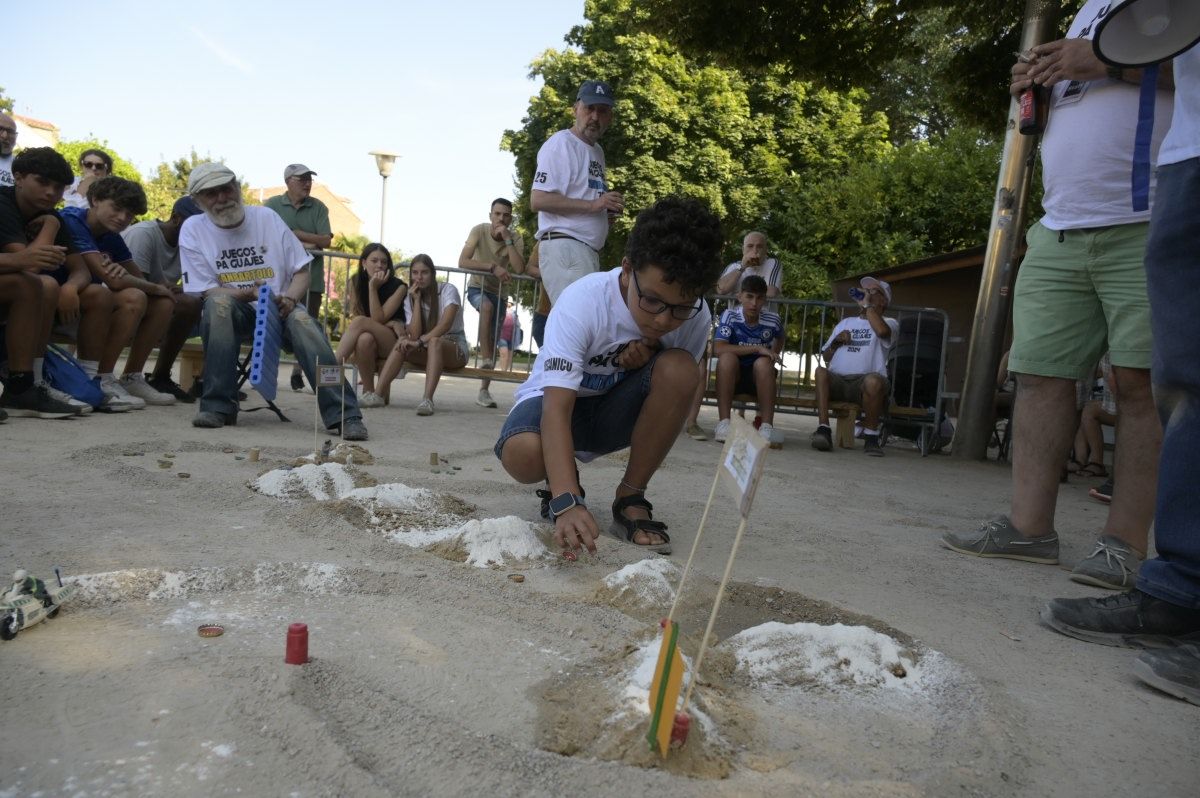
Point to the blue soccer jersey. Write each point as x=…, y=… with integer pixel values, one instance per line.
x=733, y=329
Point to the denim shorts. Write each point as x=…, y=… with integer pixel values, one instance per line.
x=474, y=294
x=599, y=424
x=1079, y=293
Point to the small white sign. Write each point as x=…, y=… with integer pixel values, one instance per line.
x=742, y=462
x=328, y=376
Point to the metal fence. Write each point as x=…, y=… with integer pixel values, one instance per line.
x=916, y=366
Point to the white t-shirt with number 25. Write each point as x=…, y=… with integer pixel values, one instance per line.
x=569, y=166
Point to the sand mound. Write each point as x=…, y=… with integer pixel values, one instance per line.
x=484, y=543
x=834, y=657
x=601, y=710
x=310, y=481
x=644, y=585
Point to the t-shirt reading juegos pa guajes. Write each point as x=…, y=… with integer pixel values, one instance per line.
x=260, y=248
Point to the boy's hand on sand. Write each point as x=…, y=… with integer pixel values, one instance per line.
x=576, y=528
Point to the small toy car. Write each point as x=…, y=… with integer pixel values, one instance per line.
x=30, y=601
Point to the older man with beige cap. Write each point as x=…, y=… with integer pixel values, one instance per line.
x=227, y=254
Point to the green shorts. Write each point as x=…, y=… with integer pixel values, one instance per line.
x=1078, y=298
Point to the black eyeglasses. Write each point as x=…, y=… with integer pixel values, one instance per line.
x=93, y=165
x=657, y=306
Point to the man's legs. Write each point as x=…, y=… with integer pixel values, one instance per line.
x=153, y=326
x=489, y=324
x=183, y=320
x=822, y=391
x=563, y=261
x=1044, y=417
x=313, y=304
x=1135, y=463
x=874, y=397
x=224, y=323
x=310, y=345
x=129, y=305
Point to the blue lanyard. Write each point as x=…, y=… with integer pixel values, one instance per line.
x=1140, y=176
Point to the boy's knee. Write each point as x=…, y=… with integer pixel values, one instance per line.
x=872, y=384
x=130, y=299
x=522, y=458
x=676, y=368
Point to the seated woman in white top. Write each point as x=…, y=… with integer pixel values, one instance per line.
x=377, y=308
x=434, y=338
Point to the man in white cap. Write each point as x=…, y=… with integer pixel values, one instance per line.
x=857, y=372
x=570, y=194
x=227, y=254
x=308, y=218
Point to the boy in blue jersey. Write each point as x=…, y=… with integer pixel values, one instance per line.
x=748, y=344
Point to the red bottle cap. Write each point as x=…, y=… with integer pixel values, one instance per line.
x=296, y=652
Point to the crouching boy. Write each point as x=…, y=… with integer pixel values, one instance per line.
x=618, y=370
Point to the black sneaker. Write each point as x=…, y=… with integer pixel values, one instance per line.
x=1175, y=671
x=1133, y=620
x=871, y=446
x=3, y=415
x=169, y=386
x=297, y=381
x=35, y=402
x=822, y=439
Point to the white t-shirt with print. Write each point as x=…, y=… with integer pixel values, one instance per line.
x=1087, y=149
x=447, y=296
x=72, y=198
x=260, y=248
x=569, y=166
x=6, y=176
x=590, y=326
x=769, y=270
x=867, y=352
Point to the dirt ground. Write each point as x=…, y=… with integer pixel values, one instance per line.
x=433, y=677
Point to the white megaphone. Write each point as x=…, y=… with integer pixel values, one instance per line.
x=1138, y=33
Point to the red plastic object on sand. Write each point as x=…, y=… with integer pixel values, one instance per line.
x=679, y=731
x=297, y=644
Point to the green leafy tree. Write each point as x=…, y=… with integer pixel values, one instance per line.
x=954, y=53
x=688, y=127
x=169, y=182
x=6, y=102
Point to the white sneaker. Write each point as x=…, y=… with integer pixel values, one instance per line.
x=370, y=399
x=721, y=431
x=766, y=431
x=425, y=407
x=116, y=398
x=485, y=399
x=81, y=408
x=136, y=386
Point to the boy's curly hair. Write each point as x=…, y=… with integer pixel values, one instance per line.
x=125, y=194
x=45, y=162
x=681, y=236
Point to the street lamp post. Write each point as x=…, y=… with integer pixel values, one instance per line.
x=384, y=160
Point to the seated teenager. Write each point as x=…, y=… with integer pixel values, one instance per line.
x=617, y=370
x=35, y=244
x=434, y=338
x=227, y=254
x=155, y=249
x=142, y=308
x=857, y=372
x=377, y=311
x=748, y=343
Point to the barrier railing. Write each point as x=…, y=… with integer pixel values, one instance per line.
x=916, y=364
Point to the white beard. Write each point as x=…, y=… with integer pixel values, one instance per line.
x=230, y=216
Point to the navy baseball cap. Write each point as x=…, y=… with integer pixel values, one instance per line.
x=595, y=92
x=185, y=207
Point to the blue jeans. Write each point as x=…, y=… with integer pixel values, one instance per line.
x=1173, y=279
x=599, y=424
x=226, y=323
x=475, y=296
x=539, y=327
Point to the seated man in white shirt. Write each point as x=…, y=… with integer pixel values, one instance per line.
x=857, y=372
x=227, y=254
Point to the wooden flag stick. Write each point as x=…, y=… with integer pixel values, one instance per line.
x=317, y=407
x=712, y=618
x=695, y=545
